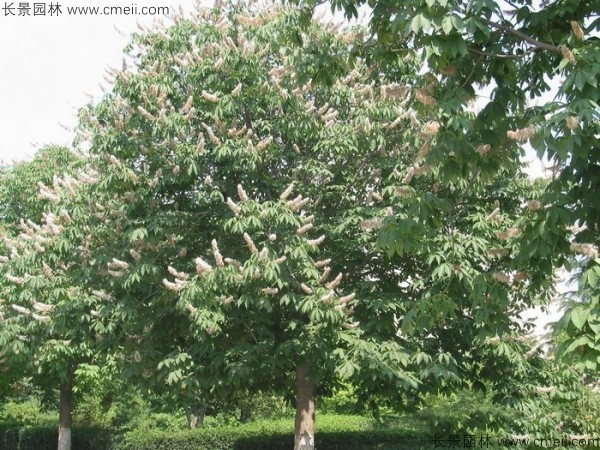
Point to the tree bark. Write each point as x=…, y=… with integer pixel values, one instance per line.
x=304, y=428
x=197, y=414
x=65, y=412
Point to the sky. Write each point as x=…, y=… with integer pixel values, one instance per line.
x=51, y=64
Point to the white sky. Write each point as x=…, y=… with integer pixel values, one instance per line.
x=49, y=63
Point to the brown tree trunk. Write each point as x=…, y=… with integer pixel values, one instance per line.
x=197, y=414
x=65, y=413
x=304, y=428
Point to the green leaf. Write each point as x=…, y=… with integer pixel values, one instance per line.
x=579, y=316
x=448, y=24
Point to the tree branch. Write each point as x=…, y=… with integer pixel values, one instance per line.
x=508, y=30
x=502, y=55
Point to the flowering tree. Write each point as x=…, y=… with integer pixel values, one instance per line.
x=228, y=240
x=540, y=63
x=45, y=327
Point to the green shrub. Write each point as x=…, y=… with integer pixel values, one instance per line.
x=26, y=413
x=232, y=439
x=9, y=436
x=333, y=432
x=462, y=411
x=343, y=400
x=45, y=438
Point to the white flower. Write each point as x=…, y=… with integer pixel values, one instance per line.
x=317, y=241
x=233, y=262
x=297, y=203
x=191, y=308
x=210, y=97
x=264, y=143
x=201, y=144
x=523, y=134
x=202, y=266
x=241, y=193
x=264, y=254
x=250, y=243
x=214, y=139
x=13, y=279
x=43, y=307
x=40, y=318
x=117, y=264
x=285, y=194
x=175, y=287
x=116, y=274
x=409, y=175
x=20, y=309
x=347, y=298
x=179, y=275
x=306, y=289
x=325, y=274
x=233, y=206
x=431, y=128
x=237, y=90
x=335, y=282
x=371, y=224
x=102, y=295
x=270, y=291
x=483, y=149
x=584, y=249
x=323, y=263
x=303, y=229
x=494, y=214
x=501, y=277
x=216, y=253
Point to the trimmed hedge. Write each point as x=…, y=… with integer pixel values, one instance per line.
x=333, y=432
x=221, y=440
x=14, y=437
x=44, y=438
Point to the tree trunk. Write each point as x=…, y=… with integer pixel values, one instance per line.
x=197, y=414
x=65, y=413
x=304, y=429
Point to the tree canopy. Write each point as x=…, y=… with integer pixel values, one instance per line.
x=268, y=204
x=540, y=63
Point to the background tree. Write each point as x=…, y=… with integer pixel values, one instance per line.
x=45, y=330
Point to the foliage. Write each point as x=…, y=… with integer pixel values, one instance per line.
x=541, y=395
x=31, y=340
x=44, y=438
x=119, y=409
x=172, y=165
x=581, y=321
x=463, y=411
x=516, y=51
x=19, y=186
x=337, y=431
x=236, y=220
x=25, y=412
